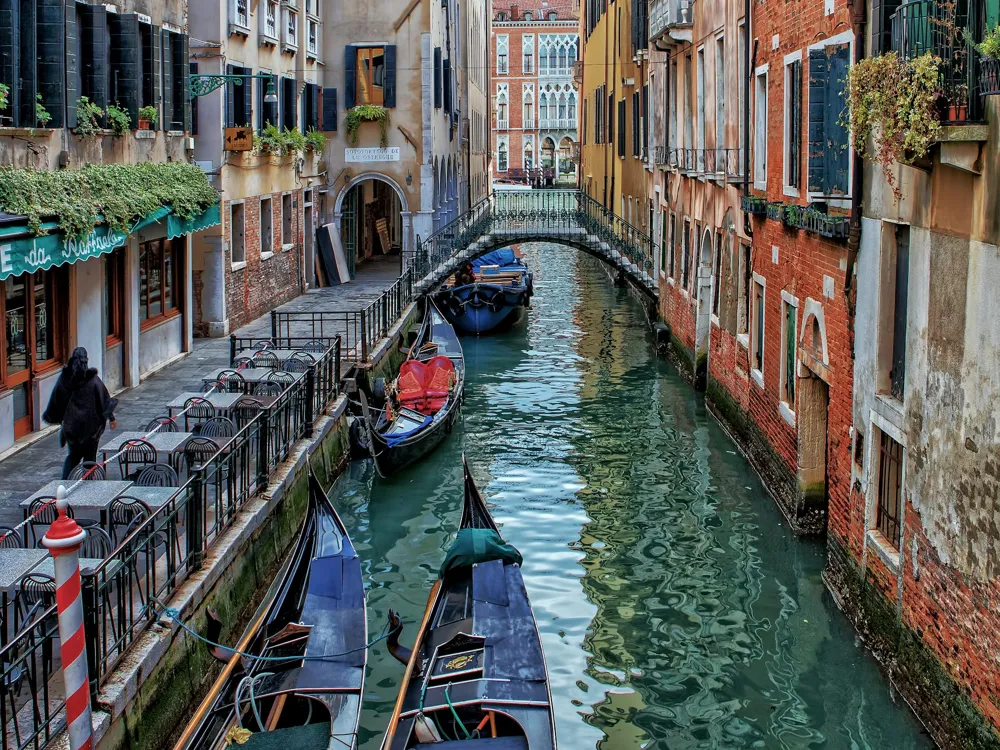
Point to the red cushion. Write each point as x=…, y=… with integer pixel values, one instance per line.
x=440, y=375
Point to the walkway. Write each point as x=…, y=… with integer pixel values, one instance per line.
x=24, y=472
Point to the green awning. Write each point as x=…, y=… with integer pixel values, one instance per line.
x=21, y=252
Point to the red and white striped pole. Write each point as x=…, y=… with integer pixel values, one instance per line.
x=63, y=540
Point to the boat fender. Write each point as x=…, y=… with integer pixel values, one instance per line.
x=496, y=301
x=425, y=731
x=213, y=633
x=378, y=389
x=400, y=653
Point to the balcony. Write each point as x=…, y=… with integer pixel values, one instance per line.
x=716, y=163
x=578, y=73
x=503, y=124
x=670, y=21
x=562, y=123
x=547, y=71
x=528, y=123
x=922, y=26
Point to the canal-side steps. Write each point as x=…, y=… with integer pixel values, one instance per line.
x=565, y=217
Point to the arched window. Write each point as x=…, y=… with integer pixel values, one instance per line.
x=552, y=60
x=528, y=110
x=563, y=61
x=502, y=157
x=562, y=106
x=572, y=108
x=543, y=57
x=527, y=16
x=529, y=155
x=502, y=109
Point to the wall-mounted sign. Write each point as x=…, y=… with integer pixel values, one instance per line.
x=239, y=139
x=358, y=155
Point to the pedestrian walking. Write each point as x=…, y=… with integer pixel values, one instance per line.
x=81, y=403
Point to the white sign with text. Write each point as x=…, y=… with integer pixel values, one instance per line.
x=357, y=155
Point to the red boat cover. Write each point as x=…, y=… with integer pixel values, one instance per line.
x=424, y=387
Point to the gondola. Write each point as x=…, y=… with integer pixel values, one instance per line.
x=422, y=404
x=476, y=676
x=306, y=693
x=490, y=294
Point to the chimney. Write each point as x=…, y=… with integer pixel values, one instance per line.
x=515, y=13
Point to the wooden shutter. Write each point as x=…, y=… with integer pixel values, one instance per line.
x=154, y=46
x=437, y=78
x=26, y=81
x=389, y=90
x=447, y=84
x=818, y=77
x=51, y=34
x=168, y=79
x=72, y=63
x=330, y=110
x=193, y=69
x=10, y=28
x=313, y=107
x=795, y=124
x=231, y=97
x=635, y=123
x=645, y=116
x=621, y=128
x=837, y=152
x=350, y=75
x=126, y=63
x=611, y=118
x=247, y=113
x=183, y=72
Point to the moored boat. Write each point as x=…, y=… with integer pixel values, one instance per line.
x=476, y=675
x=491, y=293
x=422, y=404
x=296, y=677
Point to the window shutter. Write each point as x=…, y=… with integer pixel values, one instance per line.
x=437, y=78
x=836, y=150
x=125, y=48
x=231, y=97
x=26, y=81
x=154, y=46
x=447, y=85
x=313, y=107
x=621, y=128
x=611, y=119
x=193, y=69
x=247, y=98
x=72, y=62
x=184, y=73
x=168, y=79
x=389, y=91
x=51, y=30
x=795, y=126
x=350, y=75
x=818, y=76
x=645, y=116
x=330, y=110
x=9, y=45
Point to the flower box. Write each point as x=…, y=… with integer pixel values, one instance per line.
x=754, y=204
x=989, y=77
x=835, y=227
x=775, y=211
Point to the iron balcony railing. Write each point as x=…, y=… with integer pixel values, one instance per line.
x=715, y=162
x=923, y=26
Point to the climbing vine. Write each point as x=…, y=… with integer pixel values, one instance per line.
x=367, y=113
x=893, y=102
x=120, y=193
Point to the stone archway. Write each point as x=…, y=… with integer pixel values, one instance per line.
x=405, y=214
x=812, y=418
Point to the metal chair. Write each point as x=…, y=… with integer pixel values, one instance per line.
x=296, y=365
x=125, y=511
x=42, y=512
x=134, y=455
x=281, y=377
x=218, y=427
x=245, y=410
x=241, y=362
x=304, y=356
x=260, y=345
x=267, y=360
x=97, y=545
x=231, y=381
x=162, y=424
x=316, y=345
x=158, y=475
x=10, y=538
x=269, y=388
x=198, y=450
x=33, y=589
x=196, y=411
x=89, y=471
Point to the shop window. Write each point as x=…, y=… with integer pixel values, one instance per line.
x=287, y=238
x=237, y=233
x=890, y=481
x=266, y=226
x=114, y=296
x=159, y=279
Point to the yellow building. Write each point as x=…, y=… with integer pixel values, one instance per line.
x=614, y=107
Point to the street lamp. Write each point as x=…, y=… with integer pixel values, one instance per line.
x=206, y=83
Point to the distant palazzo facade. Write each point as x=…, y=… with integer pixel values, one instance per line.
x=535, y=100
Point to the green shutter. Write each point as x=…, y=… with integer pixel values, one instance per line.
x=837, y=167
x=795, y=126
x=10, y=29
x=27, y=81
x=72, y=63
x=127, y=63
x=51, y=35
x=818, y=77
x=168, y=79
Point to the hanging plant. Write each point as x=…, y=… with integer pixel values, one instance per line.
x=315, y=141
x=893, y=102
x=118, y=120
x=4, y=96
x=87, y=117
x=367, y=113
x=120, y=193
x=42, y=115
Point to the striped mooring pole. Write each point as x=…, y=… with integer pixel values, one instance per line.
x=63, y=540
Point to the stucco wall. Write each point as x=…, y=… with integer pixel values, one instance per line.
x=159, y=344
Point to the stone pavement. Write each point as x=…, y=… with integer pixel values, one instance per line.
x=24, y=472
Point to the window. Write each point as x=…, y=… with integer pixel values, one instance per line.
x=745, y=281
x=621, y=128
x=114, y=296
x=239, y=99
x=528, y=107
x=159, y=280
x=502, y=154
x=529, y=151
x=893, y=302
x=241, y=14
x=527, y=16
x=271, y=20
x=890, y=482
x=267, y=113
x=757, y=333
x=502, y=113
x=291, y=27
x=720, y=102
x=672, y=106
x=636, y=146
x=793, y=123
x=664, y=237
x=312, y=37
x=717, y=275
x=702, y=107
x=741, y=51
x=266, y=226
x=503, y=52
x=237, y=233
x=176, y=81
x=150, y=75
x=789, y=340
x=528, y=54
x=829, y=152
x=686, y=255
x=760, y=130
x=287, y=213
x=310, y=107
x=369, y=75
x=670, y=247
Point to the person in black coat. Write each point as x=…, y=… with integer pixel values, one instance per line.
x=81, y=403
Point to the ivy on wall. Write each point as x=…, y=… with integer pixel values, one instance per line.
x=120, y=193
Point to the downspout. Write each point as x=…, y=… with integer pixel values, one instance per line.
x=859, y=20
x=751, y=60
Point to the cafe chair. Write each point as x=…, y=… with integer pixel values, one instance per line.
x=162, y=424
x=269, y=388
x=267, y=360
x=245, y=410
x=36, y=592
x=241, y=362
x=281, y=377
x=89, y=471
x=158, y=475
x=304, y=356
x=231, y=381
x=218, y=427
x=46, y=515
x=123, y=512
x=196, y=411
x=316, y=345
x=10, y=538
x=135, y=455
x=296, y=366
x=198, y=451
x=97, y=545
x=261, y=345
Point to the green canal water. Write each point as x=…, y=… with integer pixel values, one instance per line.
x=676, y=608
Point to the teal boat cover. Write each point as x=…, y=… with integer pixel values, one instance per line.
x=477, y=546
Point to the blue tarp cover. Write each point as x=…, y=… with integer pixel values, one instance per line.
x=476, y=546
x=393, y=440
x=502, y=257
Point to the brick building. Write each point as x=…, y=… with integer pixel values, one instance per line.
x=535, y=99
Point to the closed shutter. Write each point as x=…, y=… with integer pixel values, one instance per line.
x=193, y=70
x=350, y=75
x=645, y=116
x=154, y=45
x=447, y=84
x=10, y=28
x=313, y=107
x=389, y=91
x=635, y=123
x=621, y=128
x=168, y=79
x=795, y=125
x=72, y=63
x=289, y=117
x=183, y=73
x=330, y=113
x=231, y=70
x=125, y=63
x=437, y=78
x=611, y=119
x=837, y=151
x=818, y=75
x=247, y=113
x=26, y=81
x=51, y=30
x=93, y=59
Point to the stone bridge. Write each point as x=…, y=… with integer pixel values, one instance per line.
x=565, y=217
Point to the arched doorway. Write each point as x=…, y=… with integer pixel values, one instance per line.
x=373, y=221
x=703, y=323
x=567, y=170
x=549, y=159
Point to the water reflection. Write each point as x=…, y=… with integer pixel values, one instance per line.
x=676, y=609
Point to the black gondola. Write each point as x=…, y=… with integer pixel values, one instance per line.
x=476, y=676
x=422, y=404
x=306, y=693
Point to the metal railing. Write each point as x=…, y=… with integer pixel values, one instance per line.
x=709, y=161
x=31, y=713
x=567, y=215
x=922, y=26
x=359, y=330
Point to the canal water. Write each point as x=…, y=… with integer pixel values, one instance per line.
x=676, y=608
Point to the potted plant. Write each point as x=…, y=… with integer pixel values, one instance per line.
x=118, y=120
x=367, y=113
x=41, y=114
x=88, y=117
x=315, y=141
x=791, y=216
x=989, y=65
x=4, y=96
x=148, y=117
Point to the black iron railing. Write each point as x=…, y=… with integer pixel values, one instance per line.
x=923, y=26
x=989, y=77
x=31, y=711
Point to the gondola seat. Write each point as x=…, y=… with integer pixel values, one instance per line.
x=425, y=386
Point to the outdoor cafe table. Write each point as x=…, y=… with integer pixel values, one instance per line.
x=250, y=375
x=166, y=443
x=154, y=497
x=14, y=565
x=223, y=402
x=281, y=354
x=88, y=495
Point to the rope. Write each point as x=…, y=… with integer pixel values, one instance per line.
x=454, y=713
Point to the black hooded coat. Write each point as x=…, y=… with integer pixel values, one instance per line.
x=80, y=401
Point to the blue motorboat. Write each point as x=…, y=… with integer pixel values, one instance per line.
x=490, y=293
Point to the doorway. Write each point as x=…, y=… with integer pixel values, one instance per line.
x=371, y=225
x=309, y=248
x=814, y=405
x=33, y=334
x=704, y=315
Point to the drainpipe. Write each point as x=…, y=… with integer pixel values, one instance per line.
x=746, y=96
x=859, y=22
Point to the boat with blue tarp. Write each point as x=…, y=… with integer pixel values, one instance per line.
x=488, y=294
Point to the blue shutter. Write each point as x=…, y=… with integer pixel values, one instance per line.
x=818, y=76
x=124, y=30
x=330, y=110
x=51, y=31
x=231, y=97
x=350, y=75
x=837, y=165
x=437, y=78
x=389, y=89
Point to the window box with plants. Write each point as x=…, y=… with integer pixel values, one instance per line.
x=791, y=216
x=279, y=143
x=367, y=113
x=989, y=64
x=315, y=142
x=756, y=205
x=775, y=210
x=826, y=225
